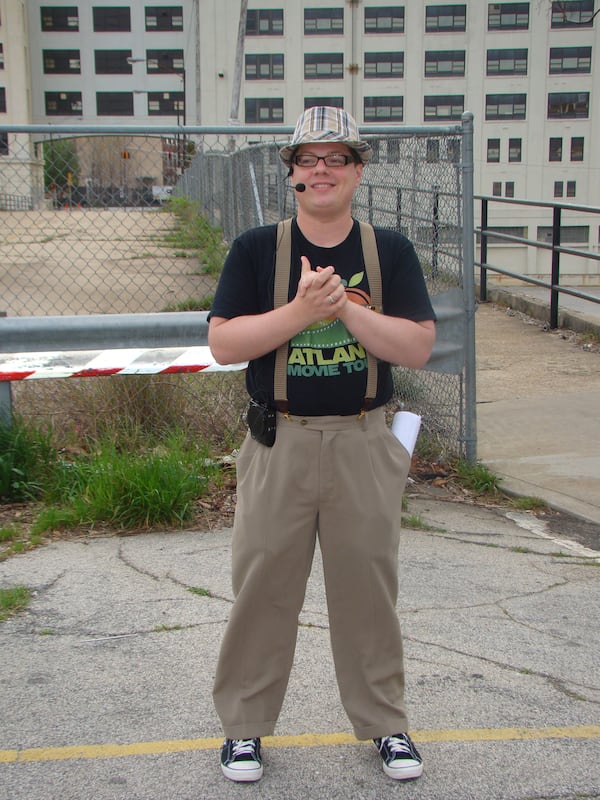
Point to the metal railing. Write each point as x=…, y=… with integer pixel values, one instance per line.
x=488, y=234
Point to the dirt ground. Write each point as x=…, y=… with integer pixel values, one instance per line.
x=94, y=261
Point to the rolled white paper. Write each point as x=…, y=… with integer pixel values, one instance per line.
x=405, y=427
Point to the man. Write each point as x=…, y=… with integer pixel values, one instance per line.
x=335, y=470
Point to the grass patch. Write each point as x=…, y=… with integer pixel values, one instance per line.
x=27, y=454
x=125, y=491
x=199, y=591
x=477, y=477
x=415, y=522
x=13, y=600
x=192, y=304
x=529, y=503
x=193, y=232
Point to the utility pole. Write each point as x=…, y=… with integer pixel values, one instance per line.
x=239, y=62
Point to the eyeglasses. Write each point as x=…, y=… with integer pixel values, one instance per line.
x=330, y=160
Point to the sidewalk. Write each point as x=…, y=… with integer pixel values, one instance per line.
x=538, y=420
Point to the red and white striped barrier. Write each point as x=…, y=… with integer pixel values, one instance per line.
x=96, y=363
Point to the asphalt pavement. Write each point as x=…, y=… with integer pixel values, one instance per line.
x=105, y=688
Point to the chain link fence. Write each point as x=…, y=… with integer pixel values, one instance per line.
x=89, y=225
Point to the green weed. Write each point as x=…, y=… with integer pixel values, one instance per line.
x=124, y=491
x=13, y=600
x=477, y=477
x=193, y=232
x=27, y=456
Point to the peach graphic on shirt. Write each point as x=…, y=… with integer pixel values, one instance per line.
x=332, y=332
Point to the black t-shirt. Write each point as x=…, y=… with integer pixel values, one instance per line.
x=327, y=367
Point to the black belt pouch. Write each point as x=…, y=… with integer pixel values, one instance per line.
x=262, y=422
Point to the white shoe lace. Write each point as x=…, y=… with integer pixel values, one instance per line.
x=398, y=746
x=242, y=747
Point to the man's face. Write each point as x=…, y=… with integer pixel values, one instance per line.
x=326, y=185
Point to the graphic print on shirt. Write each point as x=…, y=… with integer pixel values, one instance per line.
x=327, y=348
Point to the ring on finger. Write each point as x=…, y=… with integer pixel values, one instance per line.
x=331, y=299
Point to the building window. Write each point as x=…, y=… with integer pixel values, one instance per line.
x=112, y=62
x=1, y=56
x=508, y=230
x=166, y=104
x=559, y=189
x=111, y=19
x=565, y=60
x=507, y=62
x=445, y=18
x=164, y=61
x=264, y=22
x=2, y=100
x=263, y=109
x=509, y=189
x=514, y=150
x=61, y=18
x=497, y=188
x=323, y=20
x=453, y=150
x=383, y=109
x=265, y=67
x=432, y=153
x=569, y=13
x=569, y=234
x=164, y=18
x=4, y=148
x=555, y=148
x=443, y=107
x=508, y=16
x=444, y=63
x=505, y=106
x=577, y=148
x=61, y=62
x=384, y=65
x=568, y=105
x=493, y=151
x=384, y=19
x=323, y=66
x=114, y=104
x=62, y=103
x=335, y=102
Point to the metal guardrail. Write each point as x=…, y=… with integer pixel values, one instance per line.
x=554, y=247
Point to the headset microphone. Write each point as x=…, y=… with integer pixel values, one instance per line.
x=300, y=187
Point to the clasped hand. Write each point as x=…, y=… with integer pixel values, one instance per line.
x=321, y=291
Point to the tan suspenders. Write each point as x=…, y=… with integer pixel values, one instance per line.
x=280, y=297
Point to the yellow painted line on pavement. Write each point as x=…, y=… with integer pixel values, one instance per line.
x=304, y=740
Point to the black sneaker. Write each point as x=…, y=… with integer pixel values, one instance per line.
x=240, y=759
x=401, y=759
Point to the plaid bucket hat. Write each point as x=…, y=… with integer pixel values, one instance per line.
x=326, y=124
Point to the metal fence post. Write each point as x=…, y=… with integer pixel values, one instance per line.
x=435, y=233
x=469, y=289
x=484, y=248
x=5, y=397
x=555, y=279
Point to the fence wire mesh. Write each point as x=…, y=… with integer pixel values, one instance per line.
x=92, y=224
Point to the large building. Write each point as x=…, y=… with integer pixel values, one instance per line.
x=525, y=69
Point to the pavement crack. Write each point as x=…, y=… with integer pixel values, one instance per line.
x=557, y=684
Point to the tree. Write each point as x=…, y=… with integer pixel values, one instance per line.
x=61, y=164
x=563, y=7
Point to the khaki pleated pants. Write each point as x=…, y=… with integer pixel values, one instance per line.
x=340, y=478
